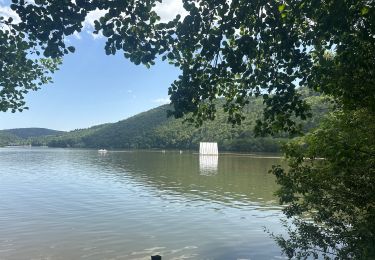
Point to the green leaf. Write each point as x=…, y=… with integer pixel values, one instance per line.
x=281, y=8
x=364, y=10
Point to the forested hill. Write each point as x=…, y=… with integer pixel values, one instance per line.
x=24, y=135
x=152, y=129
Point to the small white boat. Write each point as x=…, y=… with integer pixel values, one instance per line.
x=102, y=151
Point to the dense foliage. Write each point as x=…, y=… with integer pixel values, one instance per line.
x=224, y=49
x=241, y=48
x=25, y=136
x=8, y=138
x=331, y=179
x=21, y=68
x=230, y=49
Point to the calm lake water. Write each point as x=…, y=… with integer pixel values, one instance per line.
x=79, y=204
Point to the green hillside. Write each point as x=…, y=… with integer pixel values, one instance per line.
x=153, y=129
x=20, y=136
x=7, y=138
x=130, y=133
x=25, y=133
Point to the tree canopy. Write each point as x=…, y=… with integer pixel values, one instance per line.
x=330, y=186
x=231, y=49
x=21, y=70
x=264, y=48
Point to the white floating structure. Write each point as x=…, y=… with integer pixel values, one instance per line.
x=102, y=151
x=206, y=148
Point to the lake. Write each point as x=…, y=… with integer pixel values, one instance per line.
x=80, y=204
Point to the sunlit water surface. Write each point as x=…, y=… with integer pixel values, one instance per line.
x=79, y=204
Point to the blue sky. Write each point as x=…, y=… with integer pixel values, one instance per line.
x=92, y=88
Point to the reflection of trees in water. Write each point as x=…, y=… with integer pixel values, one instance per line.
x=228, y=179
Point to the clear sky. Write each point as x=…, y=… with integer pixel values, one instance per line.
x=92, y=88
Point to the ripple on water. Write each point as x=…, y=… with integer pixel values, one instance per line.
x=74, y=204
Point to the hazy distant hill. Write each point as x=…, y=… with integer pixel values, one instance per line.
x=24, y=135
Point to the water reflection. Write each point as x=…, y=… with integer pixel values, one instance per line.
x=208, y=164
x=76, y=204
x=236, y=181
